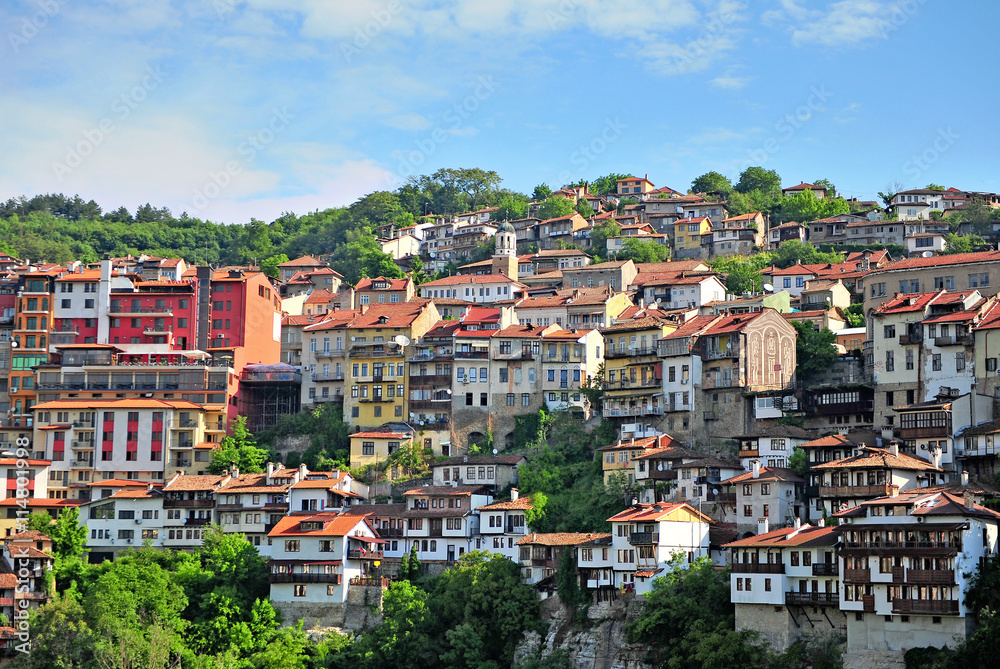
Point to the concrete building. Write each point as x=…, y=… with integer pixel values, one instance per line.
x=775, y=494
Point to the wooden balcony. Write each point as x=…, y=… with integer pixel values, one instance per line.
x=300, y=577
x=930, y=576
x=855, y=491
x=358, y=554
x=812, y=598
x=933, y=607
x=187, y=503
x=941, y=431
x=868, y=603
x=858, y=575
x=826, y=568
x=370, y=581
x=910, y=548
x=758, y=568
x=644, y=538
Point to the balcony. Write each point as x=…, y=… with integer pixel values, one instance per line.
x=858, y=575
x=826, y=569
x=812, y=598
x=626, y=384
x=358, y=554
x=542, y=563
x=758, y=568
x=941, y=431
x=644, y=538
x=868, y=603
x=83, y=424
x=634, y=411
x=931, y=607
x=391, y=532
x=720, y=353
x=953, y=340
x=229, y=507
x=717, y=381
x=83, y=446
x=188, y=503
x=196, y=522
x=430, y=381
x=930, y=576
x=471, y=355
x=370, y=581
x=912, y=548
x=327, y=376
x=673, y=347
x=912, y=338
x=855, y=491
x=301, y=577
x=631, y=352
x=727, y=498
x=861, y=407
x=124, y=310
x=158, y=330
x=376, y=352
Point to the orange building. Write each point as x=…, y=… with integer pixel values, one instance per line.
x=30, y=339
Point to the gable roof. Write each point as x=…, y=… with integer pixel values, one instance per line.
x=871, y=457
x=780, y=474
x=651, y=513
x=562, y=538
x=806, y=535
x=334, y=525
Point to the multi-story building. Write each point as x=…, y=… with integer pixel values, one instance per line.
x=773, y=493
x=442, y=521
x=306, y=263
x=495, y=472
x=188, y=507
x=252, y=504
x=372, y=448
x=688, y=233
x=771, y=447
x=316, y=558
x=573, y=307
x=786, y=232
x=541, y=554
x=784, y=584
x=617, y=459
x=906, y=564
x=126, y=519
x=569, y=359
x=554, y=233
x=324, y=357
x=737, y=235
x=381, y=290
x=680, y=291
x=474, y=288
x=646, y=538
x=502, y=525
x=375, y=369
x=633, y=374
x=634, y=187
x=430, y=393
x=24, y=584
x=145, y=439
x=932, y=428
x=619, y=274
x=870, y=473
x=30, y=339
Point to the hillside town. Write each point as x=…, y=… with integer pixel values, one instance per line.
x=849, y=485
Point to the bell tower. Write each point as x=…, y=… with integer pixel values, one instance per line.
x=505, y=257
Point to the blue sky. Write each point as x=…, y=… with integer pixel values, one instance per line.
x=232, y=109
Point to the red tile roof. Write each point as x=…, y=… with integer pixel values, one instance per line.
x=953, y=259
x=519, y=504
x=334, y=525
x=807, y=535
x=394, y=284
x=462, y=279
x=768, y=474
x=381, y=435
x=650, y=513
x=562, y=538
x=871, y=457
x=304, y=261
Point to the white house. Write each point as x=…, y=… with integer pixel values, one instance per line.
x=645, y=538
x=442, y=521
x=503, y=524
x=477, y=288
x=126, y=519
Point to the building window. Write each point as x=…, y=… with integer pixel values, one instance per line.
x=300, y=590
x=747, y=510
x=292, y=545
x=890, y=362
x=936, y=362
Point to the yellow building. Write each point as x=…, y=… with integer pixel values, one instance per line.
x=633, y=373
x=617, y=458
x=375, y=377
x=688, y=232
x=374, y=448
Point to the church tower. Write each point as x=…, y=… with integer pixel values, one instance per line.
x=505, y=257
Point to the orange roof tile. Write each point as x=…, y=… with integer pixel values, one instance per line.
x=651, y=513
x=562, y=538
x=806, y=535
x=871, y=457
x=334, y=525
x=768, y=474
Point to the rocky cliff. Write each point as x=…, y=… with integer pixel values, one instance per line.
x=597, y=643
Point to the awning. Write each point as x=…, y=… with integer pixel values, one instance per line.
x=370, y=540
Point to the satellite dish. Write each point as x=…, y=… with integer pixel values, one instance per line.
x=768, y=288
x=353, y=338
x=927, y=254
x=401, y=340
x=495, y=451
x=13, y=344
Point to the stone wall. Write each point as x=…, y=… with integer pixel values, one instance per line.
x=314, y=614
x=598, y=643
x=291, y=443
x=781, y=626
x=364, y=607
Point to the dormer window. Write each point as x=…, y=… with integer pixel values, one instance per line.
x=310, y=525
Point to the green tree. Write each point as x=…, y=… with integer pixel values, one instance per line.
x=933, y=186
x=805, y=206
x=555, y=207
x=510, y=206
x=831, y=190
x=401, y=640
x=61, y=637
x=240, y=448
x=599, y=235
x=757, y=178
x=584, y=209
x=712, y=182
x=40, y=521
x=69, y=537
x=537, y=511
x=794, y=251
x=409, y=458
x=798, y=461
x=541, y=192
x=608, y=184
x=963, y=243
x=753, y=201
x=568, y=582
x=270, y=265
x=642, y=251
x=742, y=273
x=814, y=351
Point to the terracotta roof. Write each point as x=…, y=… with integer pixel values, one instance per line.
x=320, y=296
x=693, y=326
x=768, y=474
x=804, y=186
x=8, y=581
x=462, y=279
x=250, y=483
x=925, y=502
x=562, y=538
x=648, y=322
x=828, y=441
x=807, y=535
x=519, y=504
x=945, y=260
x=183, y=483
x=650, y=513
x=377, y=510
x=137, y=403
x=89, y=275
x=398, y=315
x=129, y=493
x=732, y=323
x=304, y=261
x=479, y=460
x=659, y=441
x=870, y=457
x=394, y=284
x=334, y=525
x=29, y=535
x=445, y=490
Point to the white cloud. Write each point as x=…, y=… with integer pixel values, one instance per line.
x=408, y=122
x=730, y=82
x=843, y=23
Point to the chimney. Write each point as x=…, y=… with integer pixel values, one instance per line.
x=894, y=447
x=270, y=472
x=303, y=470
x=936, y=457
x=968, y=500
x=514, y=494
x=762, y=526
x=797, y=523
x=756, y=469
x=965, y=478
